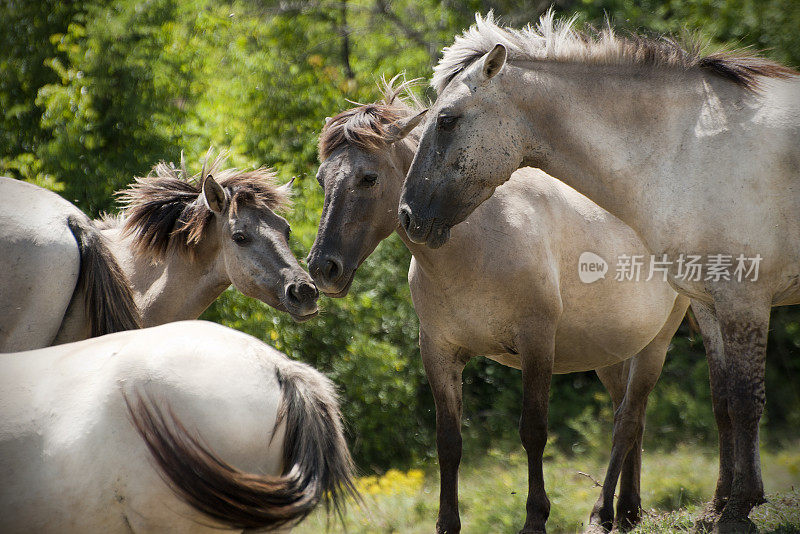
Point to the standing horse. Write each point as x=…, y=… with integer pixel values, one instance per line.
x=171, y=253
x=700, y=155
x=187, y=427
x=507, y=286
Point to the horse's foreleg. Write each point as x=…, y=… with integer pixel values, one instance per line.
x=744, y=324
x=715, y=353
x=443, y=366
x=536, y=351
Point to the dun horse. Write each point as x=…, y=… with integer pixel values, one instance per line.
x=174, y=249
x=188, y=427
x=699, y=154
x=506, y=286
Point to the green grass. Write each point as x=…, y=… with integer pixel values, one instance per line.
x=493, y=489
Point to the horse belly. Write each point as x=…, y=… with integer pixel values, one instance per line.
x=618, y=321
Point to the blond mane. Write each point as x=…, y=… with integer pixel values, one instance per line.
x=162, y=211
x=365, y=126
x=558, y=40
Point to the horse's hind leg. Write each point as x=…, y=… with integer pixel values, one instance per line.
x=643, y=372
x=615, y=380
x=636, y=380
x=643, y=377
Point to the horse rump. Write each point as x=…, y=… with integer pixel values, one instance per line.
x=317, y=463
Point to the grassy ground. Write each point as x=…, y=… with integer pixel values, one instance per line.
x=493, y=489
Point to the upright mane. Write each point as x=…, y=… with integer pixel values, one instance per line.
x=364, y=126
x=559, y=40
x=164, y=213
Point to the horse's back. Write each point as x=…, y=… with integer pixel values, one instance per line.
x=40, y=264
x=73, y=462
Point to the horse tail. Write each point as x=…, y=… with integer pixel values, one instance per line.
x=107, y=293
x=314, y=446
x=317, y=463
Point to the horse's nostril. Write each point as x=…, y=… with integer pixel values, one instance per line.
x=333, y=269
x=308, y=291
x=299, y=293
x=405, y=217
x=293, y=293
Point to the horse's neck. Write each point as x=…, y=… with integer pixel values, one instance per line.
x=620, y=138
x=175, y=288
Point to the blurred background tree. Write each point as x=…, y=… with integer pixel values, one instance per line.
x=93, y=93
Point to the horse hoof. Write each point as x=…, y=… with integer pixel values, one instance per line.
x=595, y=529
x=712, y=521
x=731, y=522
x=703, y=526
x=628, y=517
x=736, y=527
x=734, y=517
x=626, y=524
x=706, y=522
x=451, y=526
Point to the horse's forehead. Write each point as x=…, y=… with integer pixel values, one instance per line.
x=250, y=213
x=345, y=161
x=463, y=85
x=470, y=83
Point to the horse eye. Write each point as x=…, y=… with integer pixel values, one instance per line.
x=446, y=122
x=239, y=238
x=370, y=178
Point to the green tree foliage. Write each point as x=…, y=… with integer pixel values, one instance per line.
x=115, y=107
x=25, y=32
x=94, y=93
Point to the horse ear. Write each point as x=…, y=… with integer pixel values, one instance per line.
x=214, y=196
x=286, y=188
x=494, y=61
x=402, y=127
